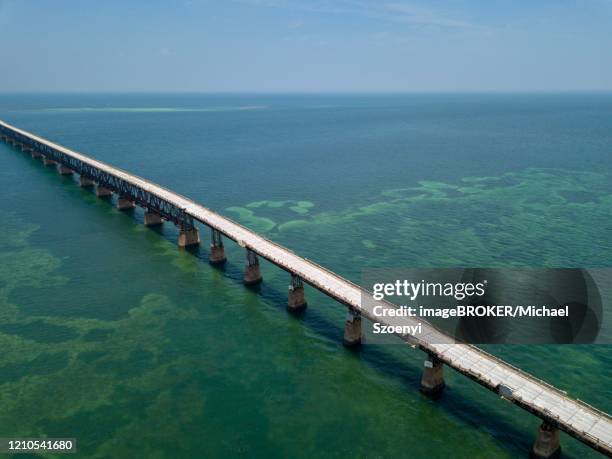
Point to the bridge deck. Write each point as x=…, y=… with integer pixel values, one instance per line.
x=578, y=419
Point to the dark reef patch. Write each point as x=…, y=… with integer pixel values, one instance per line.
x=40, y=331
x=44, y=364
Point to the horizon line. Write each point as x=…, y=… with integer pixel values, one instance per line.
x=317, y=92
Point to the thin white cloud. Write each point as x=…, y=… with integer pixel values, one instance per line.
x=295, y=24
x=418, y=15
x=400, y=11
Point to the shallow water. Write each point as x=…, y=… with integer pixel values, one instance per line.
x=112, y=335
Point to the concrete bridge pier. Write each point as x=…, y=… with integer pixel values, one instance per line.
x=85, y=182
x=296, y=301
x=27, y=150
x=125, y=203
x=352, y=328
x=217, y=251
x=252, y=273
x=48, y=161
x=432, y=381
x=188, y=237
x=63, y=170
x=36, y=154
x=546, y=445
x=102, y=192
x=152, y=218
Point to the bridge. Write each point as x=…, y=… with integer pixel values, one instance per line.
x=554, y=407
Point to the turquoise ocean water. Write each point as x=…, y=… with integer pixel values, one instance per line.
x=110, y=334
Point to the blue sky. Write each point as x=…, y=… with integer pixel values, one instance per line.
x=305, y=46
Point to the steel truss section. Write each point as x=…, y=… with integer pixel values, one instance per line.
x=251, y=258
x=296, y=282
x=215, y=238
x=126, y=190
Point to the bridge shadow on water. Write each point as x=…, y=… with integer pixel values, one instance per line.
x=459, y=403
